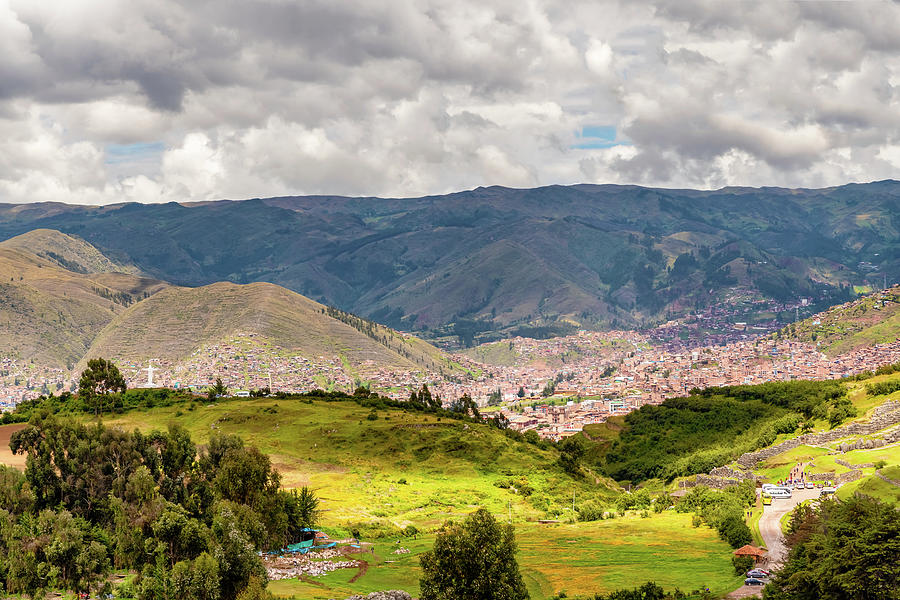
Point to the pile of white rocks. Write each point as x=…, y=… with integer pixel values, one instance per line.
x=289, y=568
x=401, y=551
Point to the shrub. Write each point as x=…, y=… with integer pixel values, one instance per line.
x=742, y=564
x=590, y=511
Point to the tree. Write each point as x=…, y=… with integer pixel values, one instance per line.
x=218, y=390
x=521, y=392
x=841, y=549
x=304, y=508
x=98, y=381
x=475, y=560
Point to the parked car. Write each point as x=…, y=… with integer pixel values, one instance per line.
x=757, y=573
x=754, y=581
x=810, y=485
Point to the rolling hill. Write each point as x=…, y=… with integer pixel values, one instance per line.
x=177, y=321
x=62, y=301
x=49, y=313
x=873, y=319
x=500, y=259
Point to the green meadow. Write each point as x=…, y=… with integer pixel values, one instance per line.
x=389, y=465
x=579, y=558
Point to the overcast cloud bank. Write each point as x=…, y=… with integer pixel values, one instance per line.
x=158, y=100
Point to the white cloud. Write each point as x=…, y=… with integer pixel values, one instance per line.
x=239, y=99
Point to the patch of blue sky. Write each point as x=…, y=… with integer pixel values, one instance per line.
x=129, y=153
x=597, y=136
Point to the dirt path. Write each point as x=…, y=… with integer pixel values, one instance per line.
x=363, y=567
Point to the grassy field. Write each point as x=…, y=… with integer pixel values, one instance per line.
x=779, y=467
x=402, y=467
x=578, y=559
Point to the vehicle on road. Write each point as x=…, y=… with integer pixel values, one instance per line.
x=754, y=581
x=810, y=485
x=767, y=500
x=780, y=493
x=827, y=491
x=757, y=573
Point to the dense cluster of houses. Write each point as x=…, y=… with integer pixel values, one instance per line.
x=555, y=386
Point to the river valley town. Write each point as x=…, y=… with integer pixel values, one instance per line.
x=555, y=386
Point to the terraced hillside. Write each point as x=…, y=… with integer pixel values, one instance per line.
x=873, y=319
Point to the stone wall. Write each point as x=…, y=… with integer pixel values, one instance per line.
x=848, y=477
x=885, y=416
x=729, y=473
x=844, y=463
x=886, y=479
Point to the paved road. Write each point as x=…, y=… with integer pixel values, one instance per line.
x=770, y=523
x=770, y=530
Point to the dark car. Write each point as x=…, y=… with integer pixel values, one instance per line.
x=757, y=573
x=754, y=581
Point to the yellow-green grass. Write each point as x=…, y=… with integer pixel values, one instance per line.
x=826, y=464
x=876, y=487
x=863, y=402
x=402, y=467
x=779, y=467
x=581, y=559
x=753, y=523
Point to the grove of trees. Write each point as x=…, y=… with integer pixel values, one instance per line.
x=94, y=498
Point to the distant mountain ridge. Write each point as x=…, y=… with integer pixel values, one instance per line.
x=549, y=259
x=62, y=301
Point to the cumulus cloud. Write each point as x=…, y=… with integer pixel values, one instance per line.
x=161, y=100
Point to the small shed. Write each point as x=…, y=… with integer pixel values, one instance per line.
x=757, y=553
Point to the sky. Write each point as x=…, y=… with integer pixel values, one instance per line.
x=105, y=101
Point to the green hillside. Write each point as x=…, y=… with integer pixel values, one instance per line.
x=403, y=467
x=709, y=428
x=496, y=260
x=873, y=319
x=176, y=322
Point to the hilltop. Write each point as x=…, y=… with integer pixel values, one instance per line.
x=67, y=251
x=178, y=321
x=497, y=260
x=49, y=312
x=872, y=319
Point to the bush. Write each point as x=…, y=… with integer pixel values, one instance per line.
x=590, y=511
x=733, y=530
x=742, y=564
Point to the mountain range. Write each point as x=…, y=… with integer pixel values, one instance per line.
x=509, y=261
